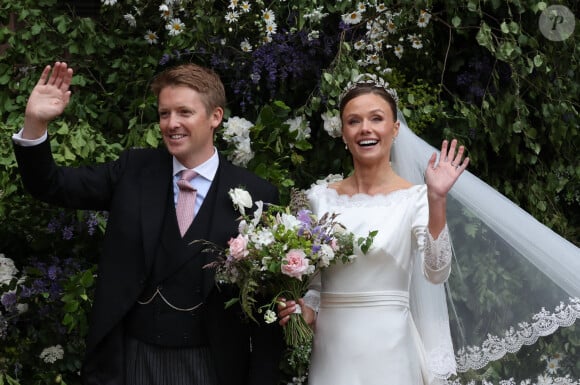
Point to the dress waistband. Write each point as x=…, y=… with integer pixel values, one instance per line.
x=369, y=298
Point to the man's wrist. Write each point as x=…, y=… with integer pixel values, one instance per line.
x=26, y=142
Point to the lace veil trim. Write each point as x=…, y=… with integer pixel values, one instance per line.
x=544, y=323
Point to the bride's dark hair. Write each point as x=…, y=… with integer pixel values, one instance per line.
x=368, y=88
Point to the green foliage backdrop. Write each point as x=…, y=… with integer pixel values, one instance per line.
x=481, y=71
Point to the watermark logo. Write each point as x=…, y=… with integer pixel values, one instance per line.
x=557, y=22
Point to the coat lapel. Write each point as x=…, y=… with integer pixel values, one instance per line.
x=224, y=224
x=155, y=186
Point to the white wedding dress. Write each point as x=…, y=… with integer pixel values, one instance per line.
x=365, y=333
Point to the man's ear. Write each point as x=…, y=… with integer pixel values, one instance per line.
x=216, y=116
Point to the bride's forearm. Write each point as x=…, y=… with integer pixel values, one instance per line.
x=437, y=214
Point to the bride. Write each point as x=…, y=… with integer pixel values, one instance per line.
x=365, y=332
x=384, y=319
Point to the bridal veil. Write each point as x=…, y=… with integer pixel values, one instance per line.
x=513, y=279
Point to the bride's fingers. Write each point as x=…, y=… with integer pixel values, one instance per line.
x=444, y=145
x=457, y=160
x=431, y=163
x=451, y=153
x=464, y=165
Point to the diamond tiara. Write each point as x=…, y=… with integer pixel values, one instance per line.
x=369, y=80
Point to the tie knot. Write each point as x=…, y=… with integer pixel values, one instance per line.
x=184, y=178
x=187, y=175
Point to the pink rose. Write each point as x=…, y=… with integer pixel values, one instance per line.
x=334, y=244
x=295, y=264
x=238, y=247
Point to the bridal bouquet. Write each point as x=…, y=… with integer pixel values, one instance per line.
x=277, y=252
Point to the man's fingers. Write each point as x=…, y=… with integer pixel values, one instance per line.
x=44, y=76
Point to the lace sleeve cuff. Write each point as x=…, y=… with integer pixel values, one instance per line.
x=312, y=300
x=436, y=255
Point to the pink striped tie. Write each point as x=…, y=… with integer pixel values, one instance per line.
x=185, y=200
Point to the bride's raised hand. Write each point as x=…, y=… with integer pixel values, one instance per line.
x=441, y=177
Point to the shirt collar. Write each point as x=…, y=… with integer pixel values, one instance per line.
x=207, y=169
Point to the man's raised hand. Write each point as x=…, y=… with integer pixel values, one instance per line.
x=47, y=100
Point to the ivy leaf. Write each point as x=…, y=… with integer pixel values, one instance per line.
x=456, y=21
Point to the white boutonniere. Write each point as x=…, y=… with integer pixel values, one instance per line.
x=241, y=199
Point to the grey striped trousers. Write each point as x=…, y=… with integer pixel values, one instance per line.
x=157, y=365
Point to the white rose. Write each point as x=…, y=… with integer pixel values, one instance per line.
x=241, y=199
x=289, y=221
x=7, y=270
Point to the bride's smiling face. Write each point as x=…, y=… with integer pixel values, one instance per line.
x=369, y=127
